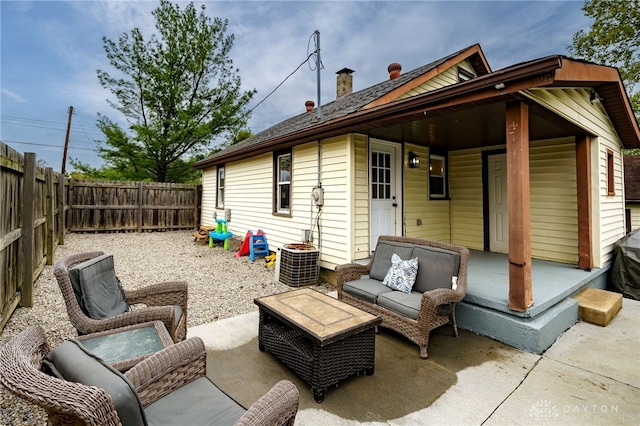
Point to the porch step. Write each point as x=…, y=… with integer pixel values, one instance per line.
x=598, y=306
x=533, y=335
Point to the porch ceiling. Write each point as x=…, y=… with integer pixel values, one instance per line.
x=483, y=125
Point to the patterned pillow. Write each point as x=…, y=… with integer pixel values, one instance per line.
x=402, y=274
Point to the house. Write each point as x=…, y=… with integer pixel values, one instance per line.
x=632, y=191
x=524, y=163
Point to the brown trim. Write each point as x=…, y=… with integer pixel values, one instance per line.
x=519, y=196
x=583, y=181
x=412, y=84
x=611, y=181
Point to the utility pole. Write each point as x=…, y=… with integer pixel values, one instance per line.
x=66, y=142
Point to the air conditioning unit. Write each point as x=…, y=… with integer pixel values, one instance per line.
x=297, y=265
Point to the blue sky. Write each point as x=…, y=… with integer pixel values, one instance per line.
x=50, y=51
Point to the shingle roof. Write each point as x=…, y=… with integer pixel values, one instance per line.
x=346, y=105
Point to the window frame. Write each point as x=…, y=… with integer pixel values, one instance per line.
x=279, y=185
x=220, y=188
x=444, y=176
x=611, y=184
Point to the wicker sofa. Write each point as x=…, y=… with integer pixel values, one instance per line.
x=168, y=388
x=441, y=281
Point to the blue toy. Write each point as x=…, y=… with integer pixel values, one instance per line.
x=221, y=233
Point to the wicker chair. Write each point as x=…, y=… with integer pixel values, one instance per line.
x=160, y=300
x=173, y=369
x=436, y=307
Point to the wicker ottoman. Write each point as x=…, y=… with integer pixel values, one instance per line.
x=321, y=339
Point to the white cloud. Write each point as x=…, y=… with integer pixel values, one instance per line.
x=12, y=95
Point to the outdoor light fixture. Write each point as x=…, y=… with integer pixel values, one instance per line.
x=414, y=160
x=594, y=97
x=499, y=86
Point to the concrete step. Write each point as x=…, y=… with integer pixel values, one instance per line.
x=533, y=335
x=598, y=306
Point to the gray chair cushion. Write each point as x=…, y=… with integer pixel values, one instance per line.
x=382, y=257
x=436, y=268
x=366, y=288
x=199, y=402
x=72, y=362
x=97, y=287
x=402, y=303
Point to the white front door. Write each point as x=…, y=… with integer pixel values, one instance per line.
x=498, y=204
x=384, y=202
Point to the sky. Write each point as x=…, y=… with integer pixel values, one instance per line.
x=50, y=52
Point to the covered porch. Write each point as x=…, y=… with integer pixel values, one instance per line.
x=485, y=308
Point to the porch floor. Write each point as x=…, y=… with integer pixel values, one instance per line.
x=484, y=309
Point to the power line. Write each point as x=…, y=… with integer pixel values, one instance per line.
x=45, y=144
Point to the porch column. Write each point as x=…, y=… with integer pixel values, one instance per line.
x=583, y=180
x=519, y=196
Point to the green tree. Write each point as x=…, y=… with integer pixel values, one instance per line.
x=614, y=40
x=178, y=91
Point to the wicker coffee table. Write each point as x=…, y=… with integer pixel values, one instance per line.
x=320, y=338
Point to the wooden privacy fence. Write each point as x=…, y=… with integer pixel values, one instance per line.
x=39, y=206
x=31, y=225
x=131, y=206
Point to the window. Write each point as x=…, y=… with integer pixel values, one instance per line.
x=220, y=188
x=611, y=189
x=464, y=75
x=437, y=176
x=282, y=191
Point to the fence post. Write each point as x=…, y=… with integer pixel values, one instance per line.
x=196, y=213
x=61, y=213
x=140, y=206
x=70, y=203
x=28, y=240
x=49, y=208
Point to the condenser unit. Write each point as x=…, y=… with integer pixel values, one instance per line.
x=297, y=265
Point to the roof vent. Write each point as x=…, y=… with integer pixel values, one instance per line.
x=394, y=70
x=309, y=105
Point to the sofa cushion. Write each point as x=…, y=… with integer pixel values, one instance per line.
x=402, y=303
x=402, y=274
x=72, y=362
x=208, y=405
x=382, y=257
x=98, y=288
x=436, y=268
x=366, y=288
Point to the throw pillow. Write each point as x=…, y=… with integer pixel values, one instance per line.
x=402, y=274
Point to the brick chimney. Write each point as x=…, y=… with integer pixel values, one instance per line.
x=344, y=86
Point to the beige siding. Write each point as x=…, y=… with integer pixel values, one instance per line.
x=554, y=213
x=465, y=183
x=634, y=209
x=607, y=211
x=209, y=185
x=433, y=215
x=445, y=78
x=360, y=197
x=336, y=220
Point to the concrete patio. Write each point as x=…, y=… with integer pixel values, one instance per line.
x=589, y=375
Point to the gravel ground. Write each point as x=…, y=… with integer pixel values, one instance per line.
x=220, y=286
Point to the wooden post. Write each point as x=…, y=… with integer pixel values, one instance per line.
x=140, y=193
x=519, y=196
x=70, y=223
x=61, y=213
x=583, y=180
x=28, y=240
x=49, y=207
